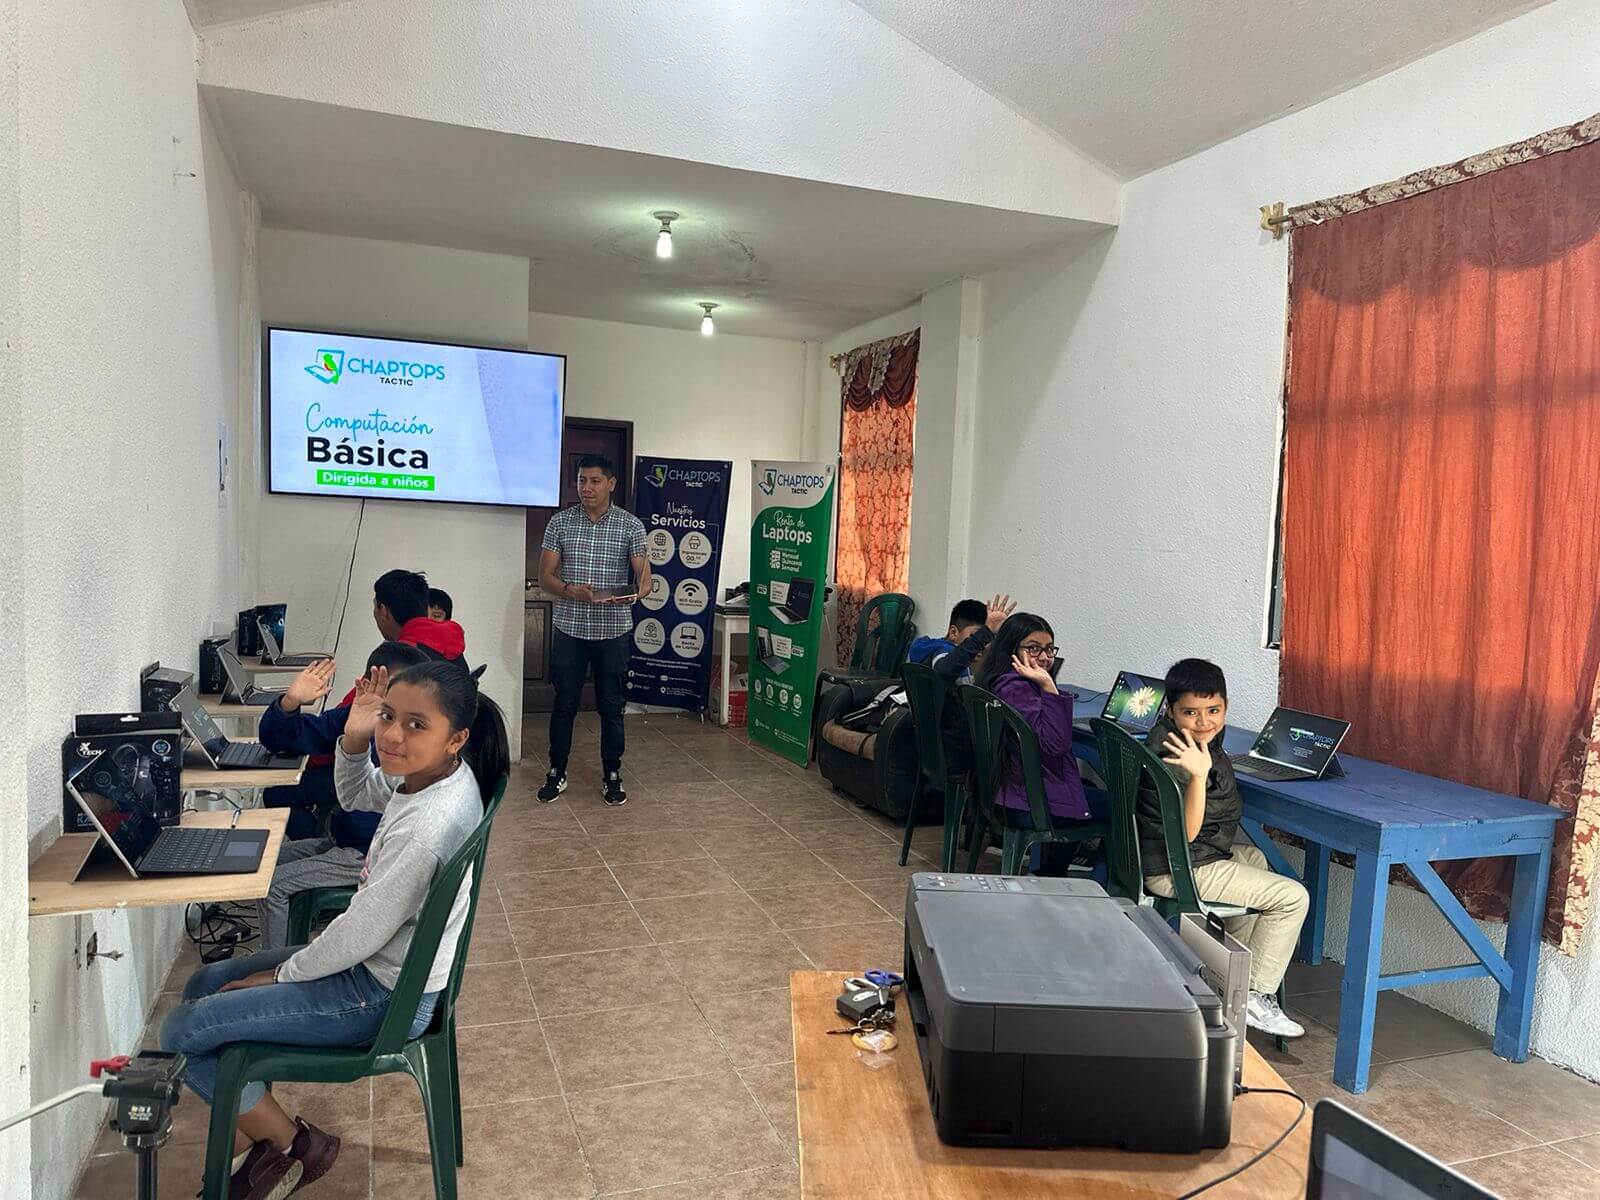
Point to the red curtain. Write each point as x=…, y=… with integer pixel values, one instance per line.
x=1441, y=528
x=875, y=457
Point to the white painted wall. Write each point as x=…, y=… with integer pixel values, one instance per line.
x=15, y=1018
x=1145, y=367
x=474, y=552
x=129, y=240
x=737, y=398
x=815, y=89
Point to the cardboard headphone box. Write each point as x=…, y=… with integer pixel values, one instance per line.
x=128, y=758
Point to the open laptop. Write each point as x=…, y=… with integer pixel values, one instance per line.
x=1134, y=703
x=795, y=607
x=1294, y=745
x=219, y=751
x=272, y=653
x=768, y=656
x=239, y=689
x=142, y=845
x=1354, y=1159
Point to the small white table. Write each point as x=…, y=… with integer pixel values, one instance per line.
x=725, y=629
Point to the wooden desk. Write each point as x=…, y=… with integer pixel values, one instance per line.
x=866, y=1132
x=57, y=887
x=254, y=666
x=223, y=711
x=1385, y=816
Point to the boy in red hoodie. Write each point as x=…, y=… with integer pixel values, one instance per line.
x=400, y=608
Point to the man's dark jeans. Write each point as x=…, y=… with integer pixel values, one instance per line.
x=570, y=660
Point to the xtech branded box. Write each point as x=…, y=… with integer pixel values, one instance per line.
x=126, y=758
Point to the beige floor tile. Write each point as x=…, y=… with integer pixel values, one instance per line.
x=529, y=892
x=889, y=894
x=673, y=1131
x=774, y=1089
x=664, y=845
x=491, y=939
x=601, y=979
x=780, y=868
x=1539, y=1173
x=542, y=854
x=685, y=918
x=736, y=842
x=873, y=861
x=572, y=930
x=499, y=1063
x=656, y=881
x=492, y=994
x=1584, y=1149
x=754, y=1027
x=527, y=1150
x=735, y=964
x=815, y=905
x=769, y=1183
x=1403, y=1028
x=632, y=1045
x=1551, y=1104
x=854, y=948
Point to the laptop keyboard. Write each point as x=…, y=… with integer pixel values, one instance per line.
x=1267, y=770
x=179, y=850
x=244, y=754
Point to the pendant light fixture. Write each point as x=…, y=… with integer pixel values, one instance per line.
x=707, y=325
x=664, y=238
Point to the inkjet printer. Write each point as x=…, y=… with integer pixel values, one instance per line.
x=1049, y=1014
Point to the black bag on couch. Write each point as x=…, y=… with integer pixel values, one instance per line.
x=877, y=768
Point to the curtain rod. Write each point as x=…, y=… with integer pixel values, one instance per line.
x=1275, y=218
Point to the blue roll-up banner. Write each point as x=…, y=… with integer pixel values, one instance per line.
x=683, y=503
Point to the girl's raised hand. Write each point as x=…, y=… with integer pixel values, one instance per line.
x=1033, y=674
x=370, y=692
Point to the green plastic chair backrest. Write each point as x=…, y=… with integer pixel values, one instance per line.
x=1017, y=744
x=929, y=692
x=1121, y=768
x=1149, y=767
x=881, y=648
x=980, y=707
x=435, y=915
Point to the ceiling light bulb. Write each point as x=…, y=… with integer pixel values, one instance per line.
x=664, y=238
x=707, y=325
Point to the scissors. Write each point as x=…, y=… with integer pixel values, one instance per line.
x=883, y=979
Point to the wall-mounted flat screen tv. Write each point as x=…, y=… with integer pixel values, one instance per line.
x=393, y=419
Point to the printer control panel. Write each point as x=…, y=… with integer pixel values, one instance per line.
x=931, y=881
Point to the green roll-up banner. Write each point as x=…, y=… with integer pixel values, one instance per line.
x=789, y=535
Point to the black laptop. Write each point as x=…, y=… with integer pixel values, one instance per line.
x=239, y=689
x=1133, y=704
x=1354, y=1159
x=796, y=606
x=143, y=846
x=1294, y=745
x=272, y=652
x=219, y=751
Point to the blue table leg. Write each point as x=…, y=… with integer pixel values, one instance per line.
x=1316, y=881
x=1358, y=999
x=1514, y=1015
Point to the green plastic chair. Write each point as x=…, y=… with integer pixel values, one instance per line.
x=929, y=692
x=1121, y=768
x=881, y=648
x=993, y=724
x=430, y=1059
x=310, y=906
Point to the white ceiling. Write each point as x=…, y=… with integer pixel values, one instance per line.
x=1137, y=84
x=782, y=257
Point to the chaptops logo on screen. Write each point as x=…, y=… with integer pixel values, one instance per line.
x=332, y=365
x=328, y=367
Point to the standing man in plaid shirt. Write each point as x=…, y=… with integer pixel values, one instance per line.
x=594, y=563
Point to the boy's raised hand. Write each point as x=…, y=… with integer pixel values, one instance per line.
x=1000, y=608
x=370, y=691
x=1182, y=751
x=311, y=685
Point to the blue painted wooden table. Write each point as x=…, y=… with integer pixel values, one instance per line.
x=1383, y=816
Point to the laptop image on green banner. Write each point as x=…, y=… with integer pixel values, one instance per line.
x=796, y=607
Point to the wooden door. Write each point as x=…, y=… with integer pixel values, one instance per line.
x=579, y=436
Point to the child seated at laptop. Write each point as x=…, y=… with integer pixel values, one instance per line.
x=314, y=861
x=441, y=750
x=400, y=604
x=972, y=626
x=440, y=606
x=1020, y=669
x=1188, y=737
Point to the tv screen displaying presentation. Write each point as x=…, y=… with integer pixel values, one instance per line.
x=404, y=420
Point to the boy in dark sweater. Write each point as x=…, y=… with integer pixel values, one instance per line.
x=1189, y=739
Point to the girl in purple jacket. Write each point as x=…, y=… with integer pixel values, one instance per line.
x=1020, y=668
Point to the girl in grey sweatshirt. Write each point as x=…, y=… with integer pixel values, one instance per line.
x=441, y=749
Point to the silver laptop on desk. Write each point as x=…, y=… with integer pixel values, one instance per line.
x=1294, y=745
x=143, y=846
x=239, y=689
x=273, y=654
x=219, y=751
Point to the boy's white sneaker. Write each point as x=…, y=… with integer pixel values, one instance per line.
x=1262, y=1012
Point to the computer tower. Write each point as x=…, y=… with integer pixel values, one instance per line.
x=158, y=684
x=213, y=679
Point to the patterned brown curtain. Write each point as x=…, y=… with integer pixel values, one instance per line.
x=879, y=401
x=1442, y=491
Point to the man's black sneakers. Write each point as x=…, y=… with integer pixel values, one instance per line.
x=554, y=784
x=614, y=795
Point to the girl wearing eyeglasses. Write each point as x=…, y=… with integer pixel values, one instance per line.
x=1020, y=668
